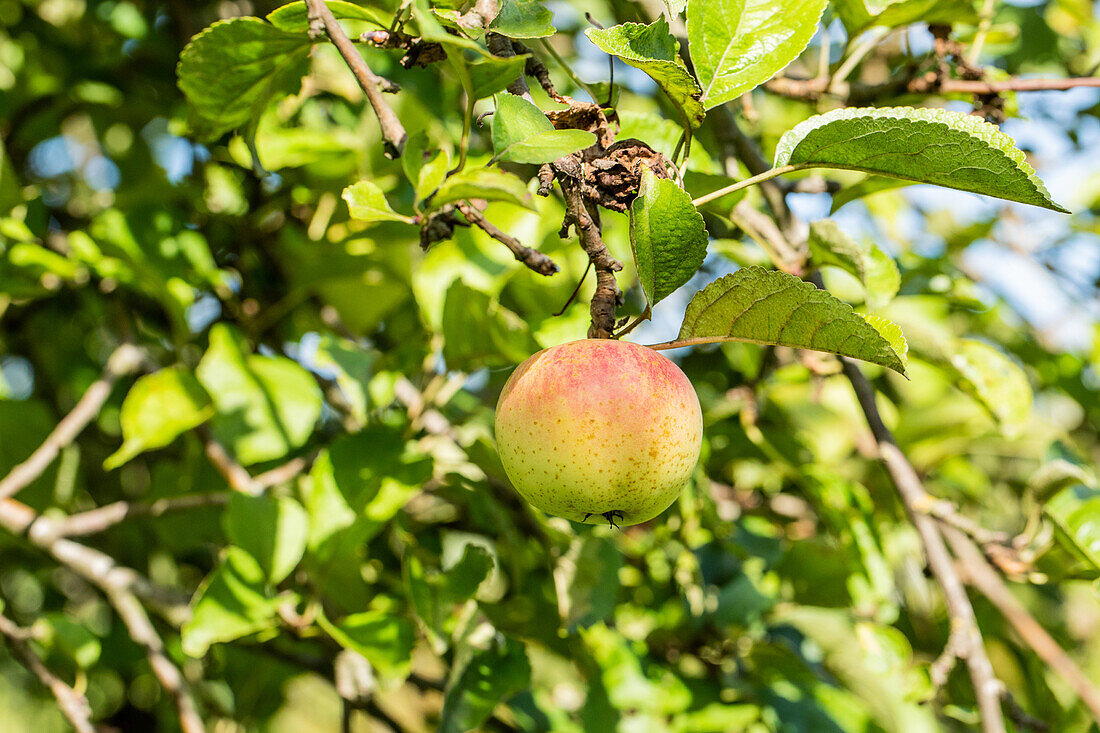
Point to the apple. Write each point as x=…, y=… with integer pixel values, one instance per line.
x=599, y=430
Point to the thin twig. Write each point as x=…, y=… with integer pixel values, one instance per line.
x=568, y=69
x=393, y=133
x=122, y=586
x=911, y=491
x=759, y=178
x=576, y=290
x=74, y=706
x=978, y=573
x=924, y=83
x=529, y=256
x=236, y=475
x=940, y=669
x=286, y=472
x=103, y=518
x=124, y=360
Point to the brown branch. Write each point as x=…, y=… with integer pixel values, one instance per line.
x=607, y=296
x=124, y=360
x=103, y=518
x=911, y=491
x=501, y=46
x=122, y=586
x=940, y=669
x=537, y=70
x=393, y=133
x=236, y=475
x=480, y=14
x=529, y=256
x=978, y=573
x=286, y=472
x=74, y=706
x=929, y=82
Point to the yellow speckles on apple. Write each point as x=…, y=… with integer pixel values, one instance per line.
x=598, y=426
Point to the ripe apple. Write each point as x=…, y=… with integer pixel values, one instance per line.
x=599, y=430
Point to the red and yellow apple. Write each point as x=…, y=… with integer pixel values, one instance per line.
x=599, y=430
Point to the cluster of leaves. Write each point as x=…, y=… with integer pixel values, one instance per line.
x=245, y=229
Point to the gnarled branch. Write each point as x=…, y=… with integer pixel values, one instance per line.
x=529, y=256
x=393, y=132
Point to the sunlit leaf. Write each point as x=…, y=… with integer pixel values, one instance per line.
x=925, y=145
x=490, y=676
x=384, y=639
x=737, y=45
x=860, y=14
x=995, y=380
x=157, y=409
x=229, y=604
x=294, y=17
x=231, y=70
x=523, y=134
x=875, y=270
x=273, y=530
x=490, y=184
x=266, y=405
x=652, y=49
x=366, y=202
x=771, y=307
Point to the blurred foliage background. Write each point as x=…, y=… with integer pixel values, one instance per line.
x=784, y=591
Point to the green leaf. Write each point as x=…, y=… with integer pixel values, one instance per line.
x=491, y=184
x=875, y=270
x=430, y=175
x=627, y=683
x=893, y=334
x=366, y=202
x=431, y=30
x=737, y=45
x=523, y=134
x=652, y=49
x=353, y=366
x=925, y=145
x=266, y=405
x=384, y=639
x=491, y=75
x=1056, y=475
x=72, y=640
x=294, y=17
x=229, y=604
x=667, y=235
x=523, y=19
x=478, y=331
x=489, y=677
x=857, y=15
x=158, y=408
x=995, y=380
x=867, y=187
x=230, y=71
x=273, y=530
x=771, y=307
x=1075, y=512
x=434, y=593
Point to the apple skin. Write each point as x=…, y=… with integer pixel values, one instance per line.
x=597, y=426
